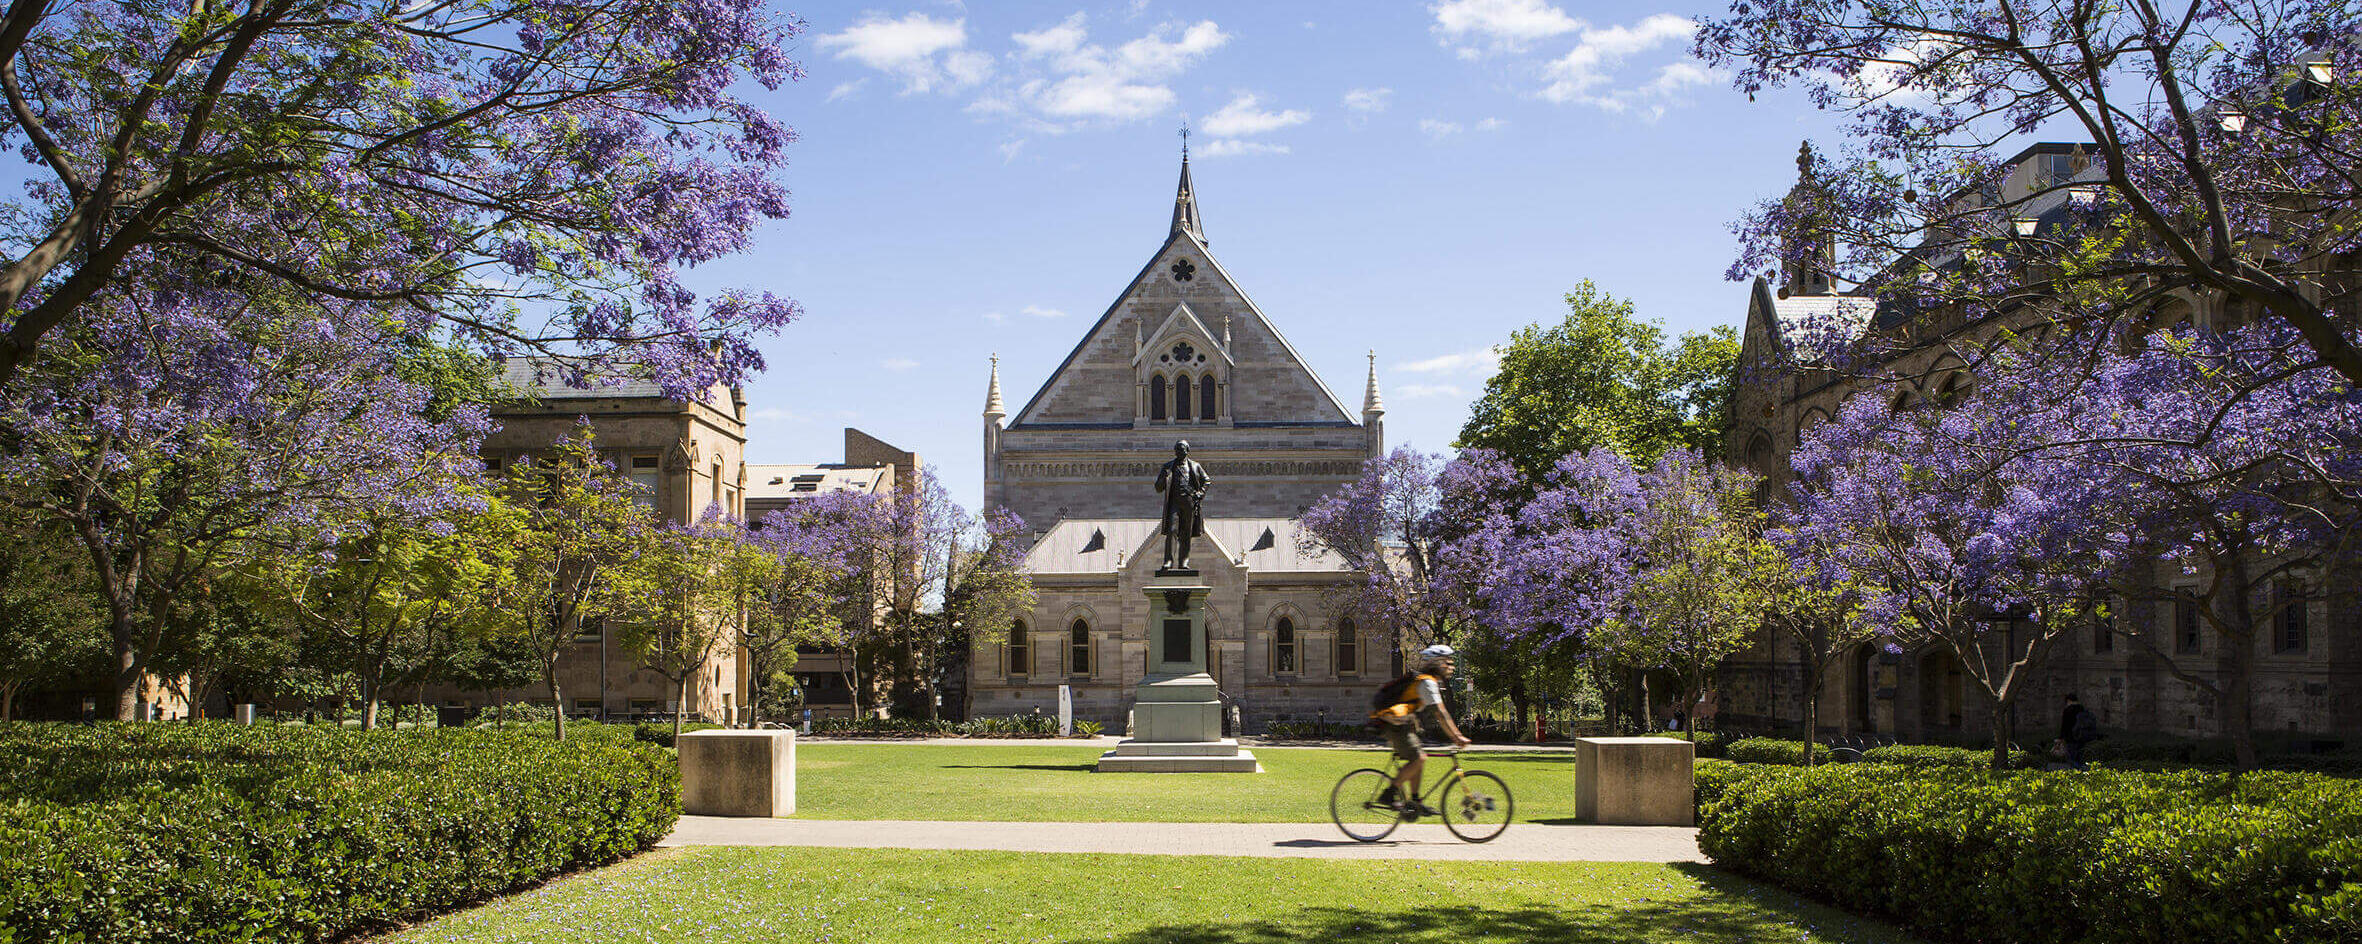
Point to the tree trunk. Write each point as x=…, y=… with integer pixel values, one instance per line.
x=683, y=712
x=549, y=673
x=8, y=699
x=1813, y=676
x=1518, y=699
x=2002, y=730
x=2238, y=696
x=371, y=681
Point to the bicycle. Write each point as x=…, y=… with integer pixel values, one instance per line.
x=1476, y=805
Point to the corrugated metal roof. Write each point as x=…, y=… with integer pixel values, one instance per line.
x=797, y=481
x=1092, y=545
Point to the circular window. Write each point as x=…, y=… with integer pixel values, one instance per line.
x=1183, y=352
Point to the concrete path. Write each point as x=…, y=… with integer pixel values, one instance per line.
x=1523, y=842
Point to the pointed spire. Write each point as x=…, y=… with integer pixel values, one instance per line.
x=1371, y=402
x=992, y=395
x=1185, y=219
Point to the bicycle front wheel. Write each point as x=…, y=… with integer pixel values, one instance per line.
x=1476, y=806
x=1355, y=806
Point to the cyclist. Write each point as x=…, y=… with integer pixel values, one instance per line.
x=1402, y=704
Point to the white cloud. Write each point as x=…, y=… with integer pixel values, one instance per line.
x=1243, y=116
x=1490, y=124
x=1438, y=128
x=1233, y=147
x=1586, y=74
x=1070, y=79
x=1483, y=360
x=898, y=363
x=847, y=89
x=1368, y=101
x=1476, y=27
x=1423, y=391
x=1037, y=311
x=927, y=54
x=1009, y=149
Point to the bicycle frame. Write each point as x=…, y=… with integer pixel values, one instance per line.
x=1421, y=792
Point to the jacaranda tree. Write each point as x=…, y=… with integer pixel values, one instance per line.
x=528, y=174
x=2217, y=163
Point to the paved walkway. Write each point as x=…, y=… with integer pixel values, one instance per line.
x=1523, y=842
x=1108, y=741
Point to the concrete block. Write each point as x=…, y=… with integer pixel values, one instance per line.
x=738, y=773
x=1636, y=781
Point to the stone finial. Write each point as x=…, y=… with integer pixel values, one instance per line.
x=992, y=394
x=1371, y=402
x=1804, y=160
x=1226, y=331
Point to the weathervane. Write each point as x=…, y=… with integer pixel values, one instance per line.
x=1185, y=138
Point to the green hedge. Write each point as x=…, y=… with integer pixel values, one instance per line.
x=125, y=833
x=1771, y=751
x=2103, y=856
x=1929, y=755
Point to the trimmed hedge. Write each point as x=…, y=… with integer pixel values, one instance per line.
x=1772, y=751
x=2103, y=856
x=125, y=833
x=1929, y=755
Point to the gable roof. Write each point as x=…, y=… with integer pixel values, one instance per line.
x=1091, y=545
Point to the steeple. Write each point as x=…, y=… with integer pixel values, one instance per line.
x=1185, y=219
x=1371, y=402
x=992, y=394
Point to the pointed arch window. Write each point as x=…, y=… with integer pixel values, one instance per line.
x=1283, y=647
x=1078, y=644
x=1156, y=397
x=1348, y=648
x=1205, y=399
x=1181, y=399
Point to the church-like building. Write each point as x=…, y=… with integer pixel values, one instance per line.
x=1182, y=354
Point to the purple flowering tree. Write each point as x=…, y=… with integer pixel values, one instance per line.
x=166, y=442
x=525, y=175
x=827, y=594
x=1389, y=525
x=2208, y=126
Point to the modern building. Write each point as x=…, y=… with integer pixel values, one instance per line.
x=1181, y=354
x=2307, y=669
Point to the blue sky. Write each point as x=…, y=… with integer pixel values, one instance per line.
x=1417, y=178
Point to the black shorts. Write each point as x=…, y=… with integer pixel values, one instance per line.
x=1404, y=738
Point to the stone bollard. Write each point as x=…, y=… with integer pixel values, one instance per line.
x=1636, y=781
x=738, y=773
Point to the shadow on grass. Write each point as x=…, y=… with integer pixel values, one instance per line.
x=1070, y=768
x=1736, y=915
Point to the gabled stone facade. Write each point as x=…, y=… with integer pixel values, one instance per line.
x=1077, y=463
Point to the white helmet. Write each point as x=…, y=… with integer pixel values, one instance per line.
x=1434, y=652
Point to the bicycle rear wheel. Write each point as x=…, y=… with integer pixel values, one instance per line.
x=1354, y=805
x=1476, y=806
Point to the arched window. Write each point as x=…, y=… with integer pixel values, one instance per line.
x=1078, y=648
x=1955, y=389
x=1902, y=402
x=1156, y=397
x=1181, y=399
x=1020, y=654
x=1283, y=647
x=1348, y=648
x=1760, y=461
x=1205, y=399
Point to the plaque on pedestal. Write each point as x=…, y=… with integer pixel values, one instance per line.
x=1177, y=709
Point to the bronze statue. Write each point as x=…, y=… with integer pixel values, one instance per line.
x=1184, y=483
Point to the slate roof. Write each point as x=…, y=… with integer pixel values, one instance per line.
x=1091, y=545
x=545, y=378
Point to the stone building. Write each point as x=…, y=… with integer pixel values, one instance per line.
x=686, y=456
x=826, y=676
x=1182, y=354
x=2308, y=673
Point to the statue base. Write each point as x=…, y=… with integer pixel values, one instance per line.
x=1177, y=708
x=1176, y=572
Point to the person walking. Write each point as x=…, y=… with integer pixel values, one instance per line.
x=2077, y=727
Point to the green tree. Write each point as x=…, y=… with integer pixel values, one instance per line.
x=1705, y=574
x=1820, y=611
x=573, y=523
x=1603, y=378
x=688, y=597
x=52, y=626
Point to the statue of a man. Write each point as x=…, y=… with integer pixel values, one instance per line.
x=1184, y=483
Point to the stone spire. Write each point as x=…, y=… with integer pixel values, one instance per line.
x=1371, y=402
x=1185, y=218
x=992, y=394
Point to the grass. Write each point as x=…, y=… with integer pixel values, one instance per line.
x=1008, y=783
x=895, y=896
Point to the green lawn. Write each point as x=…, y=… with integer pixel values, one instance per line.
x=894, y=896
x=1056, y=784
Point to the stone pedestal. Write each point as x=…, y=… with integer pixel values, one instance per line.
x=1636, y=781
x=1177, y=708
x=738, y=773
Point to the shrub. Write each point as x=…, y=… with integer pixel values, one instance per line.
x=1771, y=751
x=2113, y=856
x=661, y=735
x=131, y=833
x=1929, y=755
x=1089, y=729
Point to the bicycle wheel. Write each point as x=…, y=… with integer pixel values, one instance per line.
x=1476, y=806
x=1354, y=805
